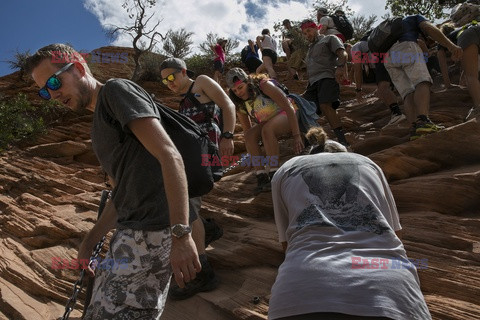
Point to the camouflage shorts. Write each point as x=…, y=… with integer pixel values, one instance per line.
x=137, y=288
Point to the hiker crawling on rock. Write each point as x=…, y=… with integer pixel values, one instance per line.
x=338, y=223
x=259, y=99
x=370, y=68
x=411, y=77
x=149, y=202
x=268, y=47
x=205, y=102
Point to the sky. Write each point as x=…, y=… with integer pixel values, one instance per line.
x=32, y=24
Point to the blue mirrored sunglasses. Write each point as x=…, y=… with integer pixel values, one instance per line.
x=53, y=83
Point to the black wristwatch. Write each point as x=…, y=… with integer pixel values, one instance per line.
x=179, y=230
x=227, y=135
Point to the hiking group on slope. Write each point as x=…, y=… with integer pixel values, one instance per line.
x=322, y=200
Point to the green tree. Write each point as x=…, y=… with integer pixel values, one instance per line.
x=144, y=38
x=430, y=9
x=177, y=43
x=361, y=25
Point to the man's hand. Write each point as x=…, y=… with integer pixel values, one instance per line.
x=456, y=52
x=340, y=74
x=184, y=259
x=84, y=253
x=226, y=147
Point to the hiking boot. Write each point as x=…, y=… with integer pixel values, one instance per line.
x=203, y=282
x=395, y=119
x=212, y=230
x=473, y=113
x=263, y=183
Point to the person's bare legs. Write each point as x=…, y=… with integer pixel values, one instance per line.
x=252, y=136
x=331, y=115
x=421, y=97
x=268, y=65
x=271, y=131
x=470, y=67
x=385, y=93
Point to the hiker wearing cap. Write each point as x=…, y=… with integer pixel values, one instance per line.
x=268, y=47
x=149, y=202
x=219, y=60
x=339, y=227
x=260, y=100
x=206, y=103
x=326, y=59
x=327, y=25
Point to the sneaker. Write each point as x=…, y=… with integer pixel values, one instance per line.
x=205, y=280
x=413, y=132
x=263, y=184
x=473, y=113
x=212, y=230
x=395, y=119
x=423, y=128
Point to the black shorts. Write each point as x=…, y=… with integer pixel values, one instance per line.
x=218, y=66
x=381, y=73
x=270, y=53
x=252, y=64
x=323, y=91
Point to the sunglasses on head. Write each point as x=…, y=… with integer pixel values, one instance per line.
x=53, y=83
x=170, y=77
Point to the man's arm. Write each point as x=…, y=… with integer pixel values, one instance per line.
x=152, y=135
x=213, y=90
x=104, y=224
x=342, y=58
x=436, y=34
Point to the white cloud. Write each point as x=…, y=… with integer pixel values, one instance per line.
x=227, y=18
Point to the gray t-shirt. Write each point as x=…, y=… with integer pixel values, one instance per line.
x=336, y=211
x=321, y=58
x=139, y=194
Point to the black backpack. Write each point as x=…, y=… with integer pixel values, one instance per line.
x=343, y=25
x=192, y=142
x=384, y=36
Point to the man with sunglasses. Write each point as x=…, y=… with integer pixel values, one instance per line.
x=149, y=202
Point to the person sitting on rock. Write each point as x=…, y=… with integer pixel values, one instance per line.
x=259, y=99
x=206, y=103
x=339, y=227
x=268, y=47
